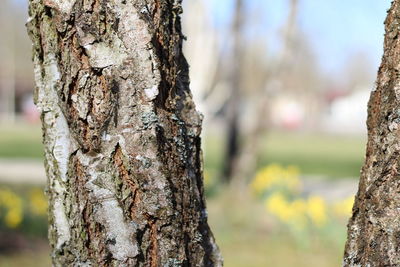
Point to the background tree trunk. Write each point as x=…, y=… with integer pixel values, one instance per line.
x=244, y=166
x=121, y=134
x=232, y=145
x=374, y=229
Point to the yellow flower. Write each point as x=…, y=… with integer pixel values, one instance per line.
x=293, y=213
x=277, y=205
x=38, y=202
x=316, y=210
x=275, y=175
x=298, y=210
x=13, y=217
x=344, y=207
x=13, y=204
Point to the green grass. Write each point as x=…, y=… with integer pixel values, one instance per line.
x=21, y=141
x=336, y=156
x=314, y=154
x=39, y=257
x=248, y=238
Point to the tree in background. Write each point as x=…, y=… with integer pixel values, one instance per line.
x=233, y=104
x=374, y=229
x=121, y=134
x=244, y=164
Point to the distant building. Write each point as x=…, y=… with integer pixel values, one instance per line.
x=347, y=114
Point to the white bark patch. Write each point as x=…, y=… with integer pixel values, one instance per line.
x=133, y=29
x=61, y=224
x=60, y=219
x=151, y=93
x=57, y=142
x=397, y=91
x=47, y=101
x=118, y=230
x=102, y=55
x=37, y=72
x=106, y=137
x=64, y=6
x=110, y=214
x=393, y=126
x=62, y=145
x=46, y=96
x=29, y=19
x=53, y=70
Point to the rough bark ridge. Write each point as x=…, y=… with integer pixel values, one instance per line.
x=121, y=134
x=374, y=229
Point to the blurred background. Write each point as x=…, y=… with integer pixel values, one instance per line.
x=283, y=86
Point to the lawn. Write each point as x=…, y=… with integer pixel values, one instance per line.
x=332, y=156
x=20, y=141
x=248, y=237
x=28, y=258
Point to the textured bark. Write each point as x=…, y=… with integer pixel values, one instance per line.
x=374, y=229
x=121, y=134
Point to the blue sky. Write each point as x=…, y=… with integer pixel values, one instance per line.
x=335, y=29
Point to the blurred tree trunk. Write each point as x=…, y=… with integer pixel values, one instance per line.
x=121, y=135
x=374, y=229
x=233, y=104
x=246, y=163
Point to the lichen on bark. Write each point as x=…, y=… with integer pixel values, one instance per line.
x=121, y=134
x=374, y=229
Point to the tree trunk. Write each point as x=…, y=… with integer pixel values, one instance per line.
x=374, y=229
x=121, y=134
x=232, y=146
x=245, y=166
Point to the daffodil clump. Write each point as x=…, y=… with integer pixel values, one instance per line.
x=275, y=177
x=298, y=212
x=11, y=208
x=280, y=189
x=292, y=213
x=14, y=208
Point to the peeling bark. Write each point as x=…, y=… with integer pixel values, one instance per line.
x=374, y=229
x=121, y=134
